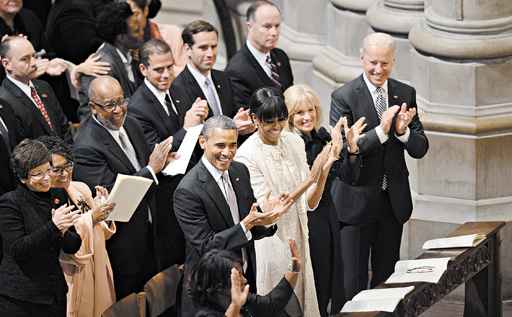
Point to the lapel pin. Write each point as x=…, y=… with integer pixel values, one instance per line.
x=237, y=179
x=218, y=86
x=395, y=97
x=279, y=64
x=44, y=95
x=177, y=101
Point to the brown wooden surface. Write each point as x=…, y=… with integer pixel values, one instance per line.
x=458, y=255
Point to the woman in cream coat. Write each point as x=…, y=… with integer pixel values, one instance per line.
x=277, y=164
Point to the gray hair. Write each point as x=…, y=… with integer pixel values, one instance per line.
x=378, y=39
x=217, y=122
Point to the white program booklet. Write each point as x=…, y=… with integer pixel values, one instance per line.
x=127, y=194
x=421, y=270
x=179, y=166
x=466, y=241
x=381, y=299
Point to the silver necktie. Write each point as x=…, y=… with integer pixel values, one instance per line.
x=380, y=107
x=210, y=97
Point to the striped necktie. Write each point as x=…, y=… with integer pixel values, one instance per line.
x=40, y=106
x=274, y=72
x=380, y=107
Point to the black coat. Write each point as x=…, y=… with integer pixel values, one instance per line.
x=187, y=83
x=30, y=270
x=206, y=220
x=247, y=75
x=7, y=177
x=357, y=197
x=32, y=122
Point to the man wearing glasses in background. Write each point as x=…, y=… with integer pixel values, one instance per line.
x=110, y=142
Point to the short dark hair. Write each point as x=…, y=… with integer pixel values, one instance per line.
x=194, y=27
x=28, y=154
x=267, y=104
x=151, y=47
x=211, y=277
x=56, y=145
x=111, y=20
x=141, y=3
x=5, y=46
x=217, y=122
x=251, y=10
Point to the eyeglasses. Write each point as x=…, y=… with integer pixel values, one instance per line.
x=59, y=170
x=113, y=105
x=39, y=175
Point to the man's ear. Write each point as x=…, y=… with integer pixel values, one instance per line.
x=202, y=141
x=5, y=62
x=143, y=69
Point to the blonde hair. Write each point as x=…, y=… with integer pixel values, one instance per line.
x=298, y=95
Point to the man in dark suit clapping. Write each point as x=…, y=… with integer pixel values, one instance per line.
x=376, y=201
x=108, y=143
x=214, y=204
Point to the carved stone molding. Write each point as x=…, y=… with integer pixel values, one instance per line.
x=395, y=16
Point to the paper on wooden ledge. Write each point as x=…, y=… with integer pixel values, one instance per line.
x=382, y=299
x=465, y=241
x=179, y=166
x=127, y=194
x=420, y=270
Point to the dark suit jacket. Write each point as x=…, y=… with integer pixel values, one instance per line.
x=247, y=75
x=357, y=199
x=31, y=121
x=40, y=7
x=27, y=23
x=156, y=124
x=98, y=160
x=186, y=82
x=108, y=54
x=206, y=220
x=30, y=270
x=66, y=19
x=7, y=178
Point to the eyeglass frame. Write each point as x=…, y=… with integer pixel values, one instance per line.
x=39, y=176
x=111, y=107
x=66, y=167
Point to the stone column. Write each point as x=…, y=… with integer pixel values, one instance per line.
x=462, y=68
x=338, y=60
x=397, y=17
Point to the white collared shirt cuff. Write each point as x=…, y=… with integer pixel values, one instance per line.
x=150, y=169
x=248, y=233
x=405, y=137
x=383, y=137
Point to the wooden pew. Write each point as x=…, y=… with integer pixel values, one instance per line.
x=477, y=267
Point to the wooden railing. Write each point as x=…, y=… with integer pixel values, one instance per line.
x=477, y=267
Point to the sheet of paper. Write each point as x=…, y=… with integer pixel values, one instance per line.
x=187, y=146
x=466, y=241
x=421, y=270
x=380, y=293
x=127, y=194
x=387, y=305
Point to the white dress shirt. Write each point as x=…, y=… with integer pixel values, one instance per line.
x=24, y=87
x=217, y=176
x=200, y=79
x=383, y=137
x=127, y=61
x=160, y=95
x=261, y=58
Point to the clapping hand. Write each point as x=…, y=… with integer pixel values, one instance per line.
x=320, y=163
x=243, y=122
x=196, y=114
x=101, y=208
x=64, y=217
x=404, y=118
x=239, y=289
x=160, y=155
x=353, y=133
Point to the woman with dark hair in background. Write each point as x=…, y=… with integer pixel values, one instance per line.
x=277, y=164
x=88, y=271
x=219, y=288
x=31, y=279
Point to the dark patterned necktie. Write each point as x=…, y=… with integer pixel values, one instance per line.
x=274, y=72
x=380, y=107
x=40, y=106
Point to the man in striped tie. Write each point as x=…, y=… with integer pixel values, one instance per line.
x=373, y=198
x=259, y=63
x=34, y=102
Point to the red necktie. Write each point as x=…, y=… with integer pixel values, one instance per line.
x=40, y=106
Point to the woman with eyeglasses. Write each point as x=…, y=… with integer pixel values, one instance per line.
x=34, y=234
x=88, y=271
x=277, y=164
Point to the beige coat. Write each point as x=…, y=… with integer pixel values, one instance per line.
x=88, y=272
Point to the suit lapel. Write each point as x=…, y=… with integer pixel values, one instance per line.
x=111, y=144
x=260, y=72
x=213, y=190
x=27, y=102
x=219, y=86
x=136, y=142
x=159, y=110
x=365, y=105
x=239, y=190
